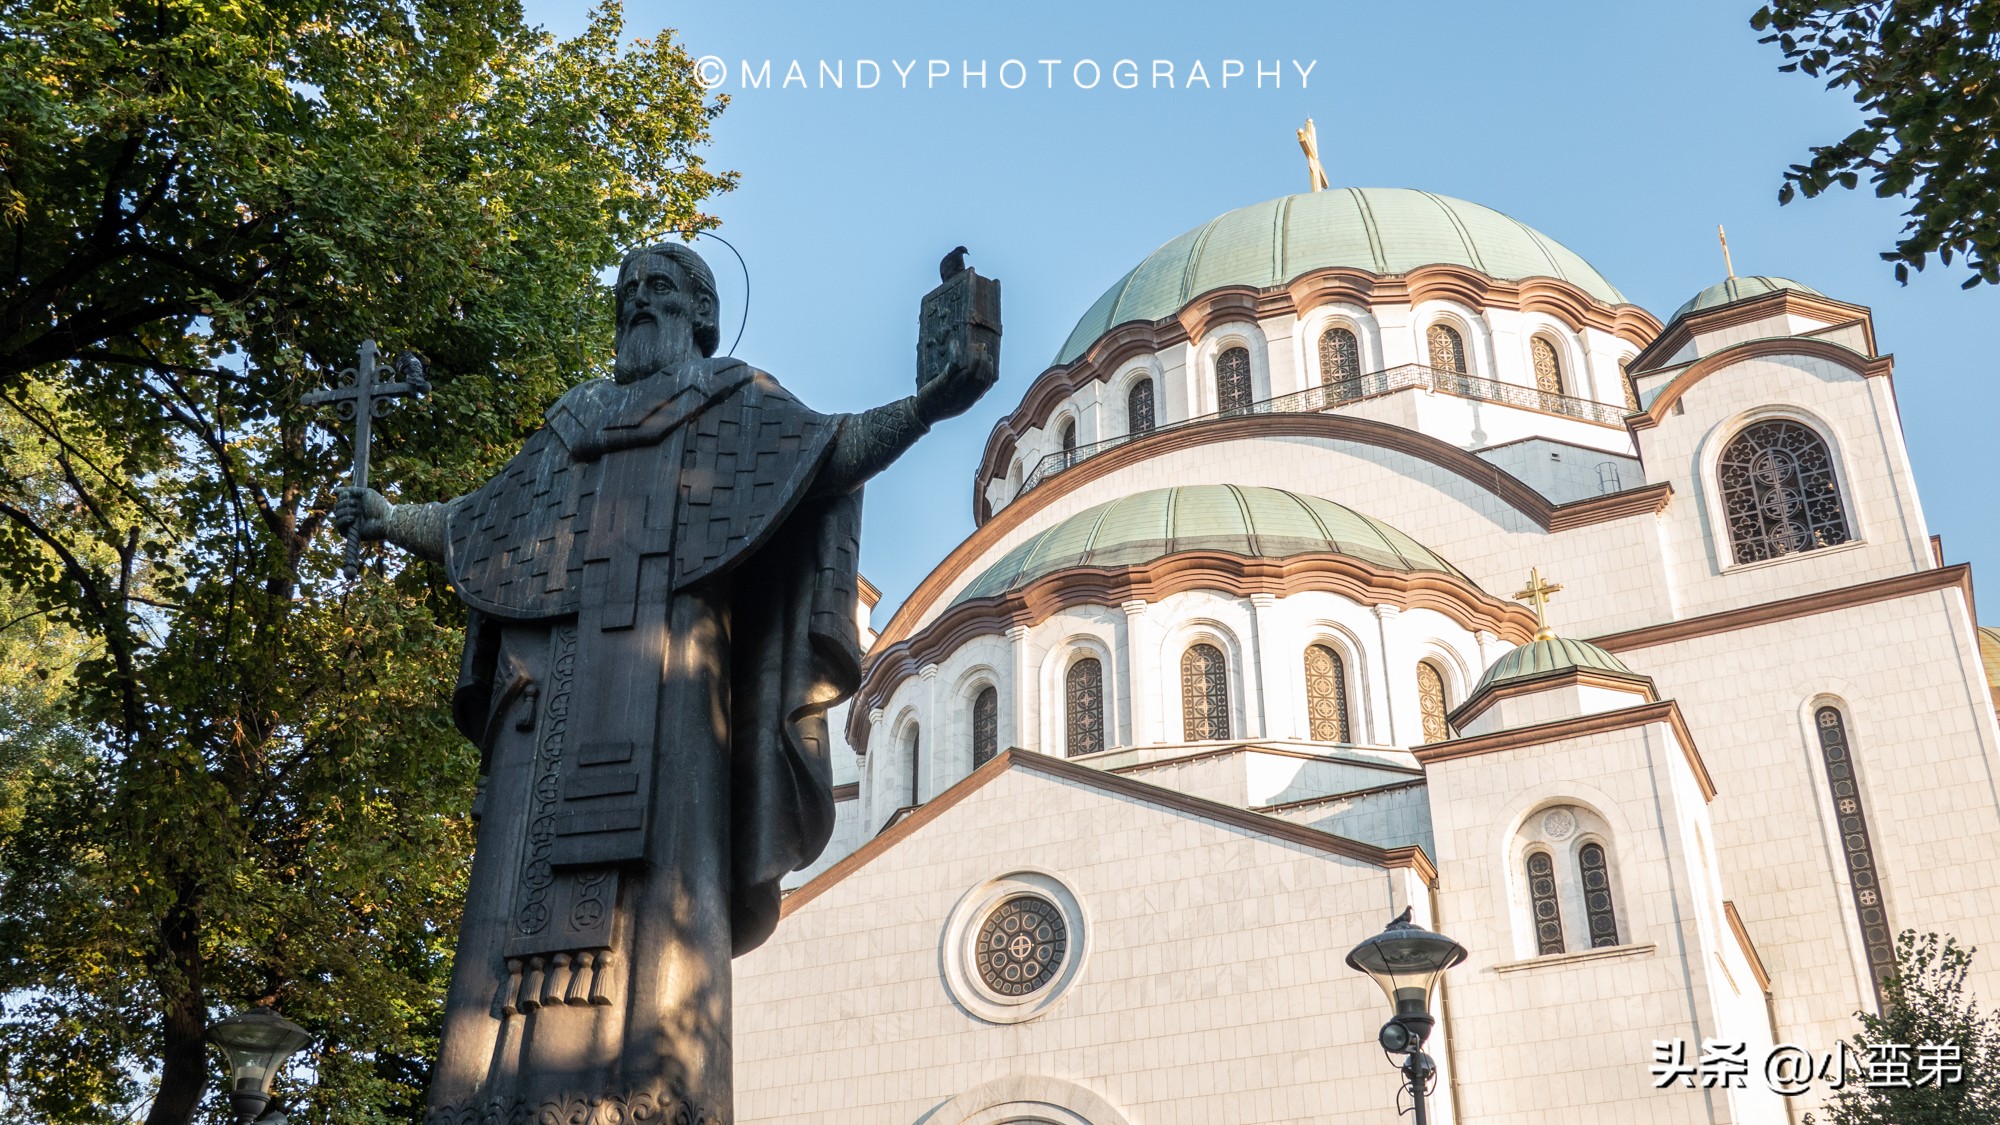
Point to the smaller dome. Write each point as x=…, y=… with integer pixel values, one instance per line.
x=1731, y=290
x=1555, y=654
x=1235, y=519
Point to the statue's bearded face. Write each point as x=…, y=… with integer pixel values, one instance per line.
x=657, y=313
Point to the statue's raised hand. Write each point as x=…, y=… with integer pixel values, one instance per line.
x=960, y=385
x=363, y=511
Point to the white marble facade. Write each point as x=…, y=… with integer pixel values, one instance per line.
x=1208, y=878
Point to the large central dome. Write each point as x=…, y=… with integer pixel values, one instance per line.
x=1380, y=230
x=1236, y=519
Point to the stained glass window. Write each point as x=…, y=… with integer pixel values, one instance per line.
x=1022, y=945
x=1864, y=878
x=1430, y=700
x=1542, y=901
x=1326, y=694
x=1139, y=418
x=1548, y=369
x=1204, y=693
x=1631, y=396
x=1084, y=698
x=1339, y=361
x=985, y=726
x=1068, y=438
x=1597, y=895
x=1779, y=492
x=1447, y=348
x=1232, y=379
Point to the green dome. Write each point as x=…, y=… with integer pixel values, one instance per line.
x=1237, y=519
x=1381, y=230
x=1731, y=290
x=1557, y=653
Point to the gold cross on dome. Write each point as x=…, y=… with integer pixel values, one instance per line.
x=1538, y=593
x=1309, y=142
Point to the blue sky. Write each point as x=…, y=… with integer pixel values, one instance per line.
x=1625, y=131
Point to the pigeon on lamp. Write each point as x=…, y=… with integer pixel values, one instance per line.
x=953, y=264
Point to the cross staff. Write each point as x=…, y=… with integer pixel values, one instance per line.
x=1538, y=592
x=360, y=398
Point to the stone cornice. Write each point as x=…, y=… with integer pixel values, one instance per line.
x=1657, y=410
x=1409, y=856
x=1805, y=605
x=1582, y=726
x=1749, y=950
x=1337, y=285
x=1678, y=334
x=897, y=657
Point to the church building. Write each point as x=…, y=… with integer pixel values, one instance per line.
x=1365, y=551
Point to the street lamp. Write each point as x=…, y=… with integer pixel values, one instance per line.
x=1407, y=961
x=257, y=1042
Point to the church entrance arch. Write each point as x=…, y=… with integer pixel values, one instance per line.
x=1025, y=1099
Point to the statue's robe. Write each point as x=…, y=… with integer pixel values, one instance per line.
x=662, y=590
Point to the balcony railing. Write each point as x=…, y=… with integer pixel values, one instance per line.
x=1328, y=396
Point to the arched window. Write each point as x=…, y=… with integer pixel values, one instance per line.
x=1232, y=379
x=1625, y=384
x=1204, y=693
x=1447, y=348
x=914, y=754
x=1339, y=361
x=1864, y=878
x=1326, y=694
x=1139, y=418
x=1066, y=437
x=1430, y=701
x=1547, y=911
x=985, y=726
x=1083, y=698
x=1779, y=492
x=1548, y=371
x=1596, y=877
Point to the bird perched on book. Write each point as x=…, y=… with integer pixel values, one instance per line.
x=953, y=264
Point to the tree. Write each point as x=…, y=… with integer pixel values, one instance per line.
x=249, y=789
x=1924, y=1002
x=1926, y=74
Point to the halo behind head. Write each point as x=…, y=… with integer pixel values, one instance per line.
x=707, y=336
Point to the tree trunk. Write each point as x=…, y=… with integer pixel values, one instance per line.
x=184, y=1026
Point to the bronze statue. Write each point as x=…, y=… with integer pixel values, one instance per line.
x=662, y=595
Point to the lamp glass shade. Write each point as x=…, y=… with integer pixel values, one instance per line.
x=257, y=1043
x=1406, y=960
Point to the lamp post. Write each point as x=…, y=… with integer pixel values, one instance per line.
x=1407, y=961
x=257, y=1042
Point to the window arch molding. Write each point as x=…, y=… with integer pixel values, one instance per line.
x=1354, y=318
x=1716, y=442
x=1187, y=634
x=1360, y=713
x=1526, y=833
x=957, y=747
x=901, y=774
x=1119, y=395
x=1201, y=373
x=1572, y=358
x=1067, y=414
x=1471, y=328
x=1080, y=643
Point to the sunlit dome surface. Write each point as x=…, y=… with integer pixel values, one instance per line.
x=1235, y=519
x=1731, y=290
x=1380, y=230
